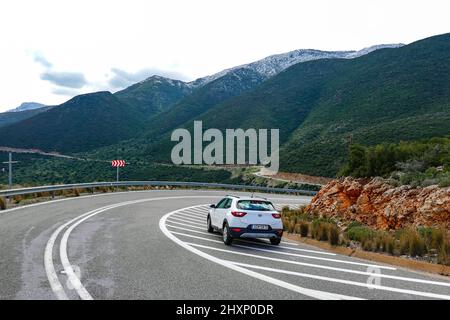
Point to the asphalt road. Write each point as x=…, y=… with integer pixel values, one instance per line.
x=154, y=245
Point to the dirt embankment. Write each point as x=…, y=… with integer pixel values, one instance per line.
x=379, y=205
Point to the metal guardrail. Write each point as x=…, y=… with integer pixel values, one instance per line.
x=23, y=191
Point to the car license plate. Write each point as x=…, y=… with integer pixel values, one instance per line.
x=260, y=227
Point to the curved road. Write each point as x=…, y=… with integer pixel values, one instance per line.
x=154, y=245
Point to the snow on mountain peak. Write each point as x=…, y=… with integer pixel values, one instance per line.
x=274, y=64
x=27, y=106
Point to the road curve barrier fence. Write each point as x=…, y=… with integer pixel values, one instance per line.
x=196, y=185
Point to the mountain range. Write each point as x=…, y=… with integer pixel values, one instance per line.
x=319, y=100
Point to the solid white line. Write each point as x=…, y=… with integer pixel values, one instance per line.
x=195, y=237
x=52, y=276
x=202, y=213
x=54, y=282
x=187, y=225
x=354, y=283
x=7, y=211
x=296, y=244
x=297, y=255
x=322, y=267
x=186, y=216
x=309, y=292
x=195, y=231
x=189, y=215
x=320, y=258
x=203, y=216
x=183, y=220
x=255, y=242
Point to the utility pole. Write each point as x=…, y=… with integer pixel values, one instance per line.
x=10, y=163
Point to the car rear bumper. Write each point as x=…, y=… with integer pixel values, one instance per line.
x=250, y=233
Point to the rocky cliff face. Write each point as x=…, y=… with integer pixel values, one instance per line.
x=377, y=204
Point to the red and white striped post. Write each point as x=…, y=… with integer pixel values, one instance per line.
x=117, y=164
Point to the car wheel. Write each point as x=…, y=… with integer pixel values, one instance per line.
x=227, y=239
x=275, y=241
x=209, y=226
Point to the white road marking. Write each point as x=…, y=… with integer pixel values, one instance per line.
x=190, y=214
x=354, y=283
x=186, y=225
x=195, y=223
x=295, y=254
x=321, y=266
x=202, y=213
x=308, y=292
x=189, y=217
x=52, y=277
x=195, y=231
x=296, y=244
x=257, y=242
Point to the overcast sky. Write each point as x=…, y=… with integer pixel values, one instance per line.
x=51, y=50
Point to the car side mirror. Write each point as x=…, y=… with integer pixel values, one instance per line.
x=212, y=206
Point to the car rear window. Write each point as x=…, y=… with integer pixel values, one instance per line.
x=255, y=205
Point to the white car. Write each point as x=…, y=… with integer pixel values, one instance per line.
x=245, y=217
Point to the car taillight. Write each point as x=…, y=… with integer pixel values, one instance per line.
x=276, y=215
x=238, y=214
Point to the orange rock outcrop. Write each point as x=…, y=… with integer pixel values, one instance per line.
x=377, y=204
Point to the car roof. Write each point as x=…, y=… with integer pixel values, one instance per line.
x=248, y=198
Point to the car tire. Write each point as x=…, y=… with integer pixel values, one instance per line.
x=227, y=239
x=275, y=241
x=209, y=225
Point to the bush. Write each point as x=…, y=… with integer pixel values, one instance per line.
x=438, y=240
x=304, y=229
x=320, y=229
x=367, y=245
x=412, y=243
x=444, y=254
x=17, y=199
x=333, y=235
x=290, y=227
x=388, y=244
x=2, y=203
x=360, y=233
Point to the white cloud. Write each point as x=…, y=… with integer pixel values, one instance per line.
x=189, y=38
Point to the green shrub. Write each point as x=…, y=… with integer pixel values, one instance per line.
x=360, y=233
x=354, y=224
